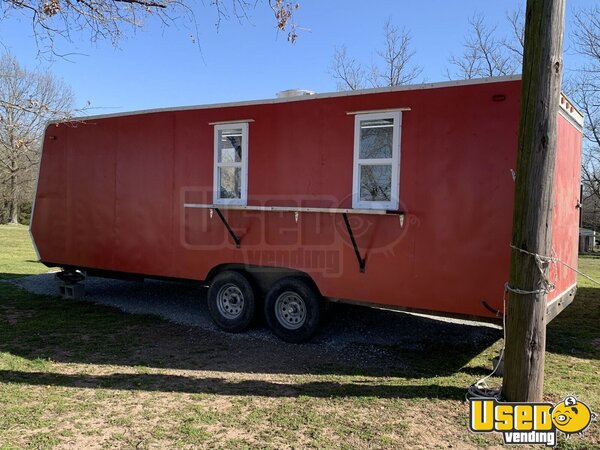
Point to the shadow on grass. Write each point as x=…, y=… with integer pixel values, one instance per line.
x=355, y=341
x=575, y=331
x=212, y=385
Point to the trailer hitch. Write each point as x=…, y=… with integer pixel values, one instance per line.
x=361, y=261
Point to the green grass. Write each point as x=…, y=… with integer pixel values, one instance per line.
x=74, y=374
x=17, y=256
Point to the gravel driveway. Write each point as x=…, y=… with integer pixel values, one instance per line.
x=185, y=304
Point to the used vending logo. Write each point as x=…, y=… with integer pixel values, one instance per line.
x=529, y=423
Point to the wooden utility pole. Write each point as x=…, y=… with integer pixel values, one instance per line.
x=534, y=197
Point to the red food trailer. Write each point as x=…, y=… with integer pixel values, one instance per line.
x=396, y=197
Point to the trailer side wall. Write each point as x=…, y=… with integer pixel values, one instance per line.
x=111, y=196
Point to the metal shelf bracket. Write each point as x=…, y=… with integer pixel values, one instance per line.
x=234, y=236
x=361, y=261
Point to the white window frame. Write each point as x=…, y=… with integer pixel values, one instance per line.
x=243, y=165
x=394, y=161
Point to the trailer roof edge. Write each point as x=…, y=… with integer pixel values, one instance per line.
x=408, y=87
x=571, y=110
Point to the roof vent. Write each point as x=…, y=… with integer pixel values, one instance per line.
x=294, y=93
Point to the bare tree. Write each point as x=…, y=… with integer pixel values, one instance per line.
x=587, y=36
x=485, y=54
x=585, y=90
x=590, y=212
x=348, y=73
x=111, y=19
x=396, y=55
x=28, y=99
x=395, y=68
x=515, y=42
x=587, y=96
x=31, y=98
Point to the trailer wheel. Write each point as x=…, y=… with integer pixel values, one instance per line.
x=231, y=301
x=293, y=309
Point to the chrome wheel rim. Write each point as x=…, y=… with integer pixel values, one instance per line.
x=230, y=301
x=290, y=310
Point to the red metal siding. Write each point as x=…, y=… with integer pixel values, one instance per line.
x=119, y=205
x=565, y=224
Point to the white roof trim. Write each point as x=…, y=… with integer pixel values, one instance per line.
x=570, y=110
x=308, y=98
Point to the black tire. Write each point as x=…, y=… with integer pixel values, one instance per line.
x=231, y=301
x=293, y=309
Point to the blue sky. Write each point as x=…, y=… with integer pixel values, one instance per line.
x=160, y=67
